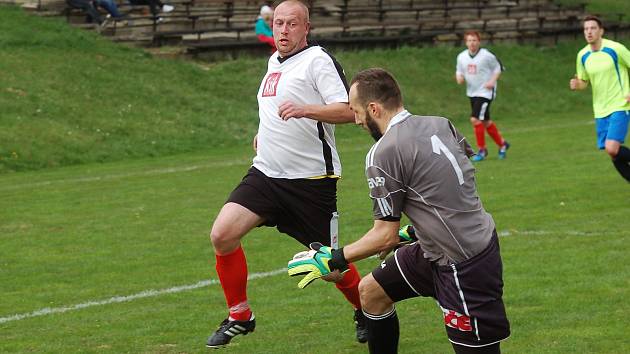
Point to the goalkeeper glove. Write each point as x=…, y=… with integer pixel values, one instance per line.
x=318, y=262
x=406, y=235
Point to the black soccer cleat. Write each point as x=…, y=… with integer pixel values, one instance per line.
x=361, y=323
x=228, y=330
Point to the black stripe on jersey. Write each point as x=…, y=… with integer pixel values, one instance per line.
x=342, y=74
x=499, y=60
x=340, y=71
x=330, y=170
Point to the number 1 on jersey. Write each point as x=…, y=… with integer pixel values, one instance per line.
x=439, y=148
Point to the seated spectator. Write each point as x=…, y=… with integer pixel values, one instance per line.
x=93, y=15
x=156, y=6
x=111, y=7
x=263, y=26
x=89, y=7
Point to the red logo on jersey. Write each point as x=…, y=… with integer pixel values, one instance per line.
x=472, y=69
x=456, y=320
x=271, y=84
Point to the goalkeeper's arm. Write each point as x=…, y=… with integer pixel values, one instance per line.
x=321, y=261
x=382, y=236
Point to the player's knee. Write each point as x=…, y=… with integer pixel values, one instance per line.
x=219, y=236
x=367, y=293
x=612, y=150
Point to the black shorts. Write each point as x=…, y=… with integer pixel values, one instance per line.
x=305, y=209
x=468, y=293
x=480, y=108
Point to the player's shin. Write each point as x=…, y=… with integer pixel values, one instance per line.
x=232, y=271
x=383, y=332
x=622, y=162
x=349, y=286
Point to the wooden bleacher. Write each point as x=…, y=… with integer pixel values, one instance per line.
x=227, y=26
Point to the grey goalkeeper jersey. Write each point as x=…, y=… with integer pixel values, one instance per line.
x=420, y=167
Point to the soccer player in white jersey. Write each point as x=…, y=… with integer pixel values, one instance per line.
x=420, y=167
x=480, y=70
x=292, y=182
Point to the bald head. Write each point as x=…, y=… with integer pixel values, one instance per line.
x=297, y=4
x=290, y=27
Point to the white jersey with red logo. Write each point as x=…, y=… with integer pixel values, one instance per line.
x=299, y=147
x=477, y=70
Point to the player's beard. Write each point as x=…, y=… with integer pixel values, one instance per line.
x=373, y=128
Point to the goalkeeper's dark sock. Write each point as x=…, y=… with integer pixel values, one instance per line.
x=621, y=162
x=480, y=134
x=232, y=271
x=493, y=131
x=383, y=332
x=349, y=286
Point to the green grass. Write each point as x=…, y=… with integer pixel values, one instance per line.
x=139, y=220
x=69, y=97
x=88, y=233
x=609, y=9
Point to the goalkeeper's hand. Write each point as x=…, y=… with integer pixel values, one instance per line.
x=318, y=262
x=406, y=235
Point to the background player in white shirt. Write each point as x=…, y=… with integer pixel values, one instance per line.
x=292, y=183
x=480, y=70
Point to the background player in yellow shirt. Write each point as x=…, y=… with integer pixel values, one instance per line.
x=604, y=63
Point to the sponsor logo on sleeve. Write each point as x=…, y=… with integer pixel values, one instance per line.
x=376, y=182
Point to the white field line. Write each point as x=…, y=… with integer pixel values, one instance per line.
x=204, y=283
x=154, y=172
x=161, y=171
x=542, y=232
x=140, y=295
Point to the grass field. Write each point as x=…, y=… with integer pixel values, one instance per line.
x=90, y=233
x=114, y=257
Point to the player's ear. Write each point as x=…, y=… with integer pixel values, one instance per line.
x=373, y=108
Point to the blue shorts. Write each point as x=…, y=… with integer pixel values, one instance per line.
x=612, y=127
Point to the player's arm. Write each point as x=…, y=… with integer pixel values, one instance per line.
x=579, y=81
x=383, y=236
x=336, y=113
x=459, y=71
x=577, y=84
x=624, y=53
x=493, y=80
x=497, y=68
x=329, y=264
x=459, y=78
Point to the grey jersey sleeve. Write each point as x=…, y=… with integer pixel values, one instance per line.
x=463, y=143
x=385, y=180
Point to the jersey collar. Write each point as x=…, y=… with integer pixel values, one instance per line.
x=473, y=55
x=402, y=115
x=283, y=59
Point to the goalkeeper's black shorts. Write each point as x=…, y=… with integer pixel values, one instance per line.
x=305, y=209
x=468, y=293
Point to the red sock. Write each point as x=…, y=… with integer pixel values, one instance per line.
x=232, y=271
x=480, y=134
x=349, y=286
x=494, y=133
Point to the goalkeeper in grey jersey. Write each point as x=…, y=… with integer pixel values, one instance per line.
x=419, y=166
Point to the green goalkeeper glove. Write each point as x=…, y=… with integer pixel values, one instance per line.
x=406, y=235
x=318, y=262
